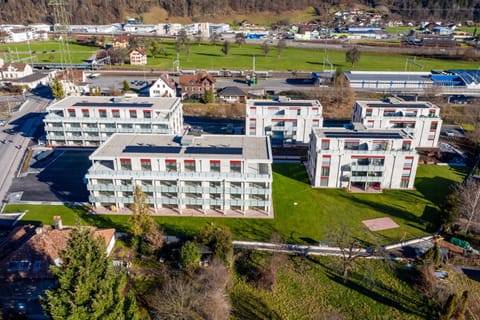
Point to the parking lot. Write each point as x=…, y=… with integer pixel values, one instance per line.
x=59, y=177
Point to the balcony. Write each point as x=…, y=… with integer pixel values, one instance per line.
x=200, y=176
x=356, y=167
x=366, y=179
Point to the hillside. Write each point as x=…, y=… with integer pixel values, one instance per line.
x=110, y=11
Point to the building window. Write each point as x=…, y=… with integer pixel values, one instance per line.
x=431, y=113
x=115, y=113
x=125, y=164
x=102, y=113
x=133, y=113
x=404, y=183
x=351, y=145
x=215, y=184
x=253, y=111
x=368, y=113
x=189, y=165
x=71, y=113
x=235, y=184
x=171, y=165
x=214, y=165
x=406, y=145
x=326, y=161
x=325, y=171
x=147, y=114
x=433, y=126
x=85, y=113
x=325, y=144
x=146, y=164
x=235, y=166
x=324, y=182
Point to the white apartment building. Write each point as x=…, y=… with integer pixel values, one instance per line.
x=359, y=159
x=89, y=120
x=201, y=175
x=285, y=121
x=420, y=119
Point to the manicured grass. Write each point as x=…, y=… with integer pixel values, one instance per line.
x=309, y=221
x=311, y=289
x=44, y=49
x=209, y=57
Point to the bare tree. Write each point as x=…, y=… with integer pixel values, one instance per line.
x=352, y=56
x=281, y=45
x=214, y=37
x=239, y=38
x=265, y=48
x=468, y=195
x=351, y=248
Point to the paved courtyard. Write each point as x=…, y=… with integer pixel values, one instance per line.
x=59, y=177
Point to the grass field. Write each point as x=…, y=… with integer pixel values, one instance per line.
x=307, y=222
x=44, y=51
x=311, y=289
x=209, y=57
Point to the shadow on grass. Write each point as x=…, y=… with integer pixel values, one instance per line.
x=248, y=307
x=387, y=209
x=292, y=171
x=102, y=221
x=209, y=54
x=382, y=294
x=436, y=189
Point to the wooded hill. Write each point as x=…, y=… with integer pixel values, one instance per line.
x=111, y=11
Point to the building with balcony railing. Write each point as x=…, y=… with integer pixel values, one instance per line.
x=419, y=119
x=89, y=120
x=359, y=159
x=285, y=121
x=206, y=175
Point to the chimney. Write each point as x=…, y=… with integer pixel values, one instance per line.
x=57, y=222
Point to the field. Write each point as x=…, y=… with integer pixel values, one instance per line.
x=44, y=51
x=209, y=57
x=309, y=221
x=309, y=288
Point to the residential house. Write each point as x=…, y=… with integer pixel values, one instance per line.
x=26, y=255
x=121, y=42
x=11, y=71
x=284, y=120
x=209, y=175
x=164, y=86
x=73, y=81
x=420, y=119
x=361, y=159
x=89, y=120
x=138, y=56
x=233, y=95
x=194, y=86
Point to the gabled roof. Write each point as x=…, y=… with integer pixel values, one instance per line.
x=17, y=66
x=168, y=81
x=28, y=251
x=141, y=51
x=232, y=91
x=192, y=79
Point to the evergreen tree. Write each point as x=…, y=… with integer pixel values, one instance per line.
x=88, y=287
x=57, y=89
x=352, y=56
x=189, y=256
x=209, y=97
x=126, y=86
x=219, y=240
x=141, y=222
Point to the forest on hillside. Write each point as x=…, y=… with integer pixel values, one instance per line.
x=111, y=11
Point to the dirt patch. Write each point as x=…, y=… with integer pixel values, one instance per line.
x=380, y=224
x=215, y=110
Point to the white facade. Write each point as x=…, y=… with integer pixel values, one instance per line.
x=88, y=121
x=285, y=121
x=207, y=175
x=419, y=119
x=11, y=71
x=164, y=86
x=368, y=160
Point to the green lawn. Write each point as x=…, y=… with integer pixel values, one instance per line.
x=209, y=57
x=311, y=289
x=307, y=222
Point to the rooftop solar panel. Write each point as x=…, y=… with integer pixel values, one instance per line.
x=363, y=135
x=282, y=104
x=113, y=104
x=152, y=149
x=213, y=150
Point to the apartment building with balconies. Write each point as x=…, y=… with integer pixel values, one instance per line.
x=197, y=175
x=361, y=160
x=88, y=121
x=285, y=121
x=420, y=119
